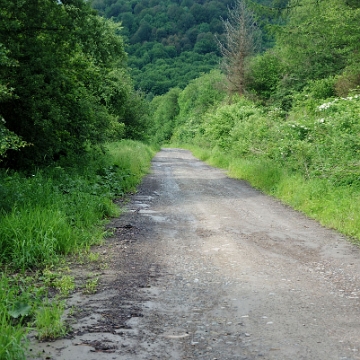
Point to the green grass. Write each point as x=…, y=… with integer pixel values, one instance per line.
x=48, y=214
x=12, y=335
x=333, y=206
x=48, y=321
x=60, y=210
x=91, y=286
x=12, y=345
x=133, y=159
x=65, y=284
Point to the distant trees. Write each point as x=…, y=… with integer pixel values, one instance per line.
x=316, y=49
x=186, y=26
x=241, y=39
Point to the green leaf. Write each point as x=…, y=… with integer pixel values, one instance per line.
x=20, y=309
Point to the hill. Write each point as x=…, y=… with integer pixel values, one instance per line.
x=171, y=42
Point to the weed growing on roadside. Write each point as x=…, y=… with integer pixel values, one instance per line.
x=91, y=286
x=12, y=346
x=12, y=337
x=65, y=284
x=73, y=310
x=86, y=257
x=93, y=257
x=48, y=322
x=104, y=266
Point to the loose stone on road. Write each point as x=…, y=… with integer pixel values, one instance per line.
x=202, y=266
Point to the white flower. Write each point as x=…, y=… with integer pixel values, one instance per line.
x=325, y=106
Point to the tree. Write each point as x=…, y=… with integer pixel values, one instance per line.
x=62, y=52
x=241, y=40
x=8, y=140
x=205, y=43
x=319, y=40
x=164, y=109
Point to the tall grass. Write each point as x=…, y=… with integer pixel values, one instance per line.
x=11, y=341
x=30, y=237
x=11, y=336
x=58, y=210
x=133, y=159
x=50, y=213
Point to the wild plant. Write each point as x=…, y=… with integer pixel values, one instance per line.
x=48, y=321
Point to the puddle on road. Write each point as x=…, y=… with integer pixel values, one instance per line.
x=149, y=213
x=158, y=218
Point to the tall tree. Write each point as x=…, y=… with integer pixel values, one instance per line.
x=241, y=40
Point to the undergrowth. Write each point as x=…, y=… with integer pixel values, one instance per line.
x=46, y=215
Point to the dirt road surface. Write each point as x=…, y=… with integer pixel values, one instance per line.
x=205, y=267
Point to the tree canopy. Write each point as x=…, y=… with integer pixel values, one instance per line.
x=317, y=47
x=63, y=82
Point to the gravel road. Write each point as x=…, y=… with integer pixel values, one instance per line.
x=202, y=266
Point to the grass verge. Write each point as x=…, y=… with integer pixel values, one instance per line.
x=336, y=207
x=47, y=215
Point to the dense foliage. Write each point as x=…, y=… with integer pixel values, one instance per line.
x=171, y=42
x=65, y=91
x=319, y=47
x=63, y=82
x=316, y=56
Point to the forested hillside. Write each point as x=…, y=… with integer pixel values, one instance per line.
x=171, y=42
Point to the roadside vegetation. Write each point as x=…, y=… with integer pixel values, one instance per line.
x=70, y=126
x=45, y=216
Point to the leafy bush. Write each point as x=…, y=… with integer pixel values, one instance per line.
x=348, y=81
x=264, y=74
x=199, y=97
x=321, y=89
